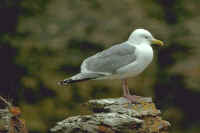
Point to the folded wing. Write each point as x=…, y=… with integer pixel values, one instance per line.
x=109, y=61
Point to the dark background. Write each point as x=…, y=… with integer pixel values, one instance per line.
x=44, y=41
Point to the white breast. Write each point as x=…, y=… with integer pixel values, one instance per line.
x=144, y=54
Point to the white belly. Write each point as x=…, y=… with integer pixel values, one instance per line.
x=144, y=57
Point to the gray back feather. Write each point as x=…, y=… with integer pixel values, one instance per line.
x=110, y=60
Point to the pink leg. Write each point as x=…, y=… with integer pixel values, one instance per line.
x=124, y=85
x=131, y=98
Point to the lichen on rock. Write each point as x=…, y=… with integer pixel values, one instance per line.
x=116, y=115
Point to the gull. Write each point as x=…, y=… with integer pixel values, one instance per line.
x=121, y=61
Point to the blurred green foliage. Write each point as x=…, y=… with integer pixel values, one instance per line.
x=44, y=41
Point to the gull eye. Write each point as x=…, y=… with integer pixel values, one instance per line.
x=145, y=37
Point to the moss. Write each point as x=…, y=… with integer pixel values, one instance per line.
x=154, y=125
x=146, y=108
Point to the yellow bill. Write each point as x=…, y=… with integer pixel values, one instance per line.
x=157, y=42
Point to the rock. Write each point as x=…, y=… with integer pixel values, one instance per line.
x=4, y=120
x=116, y=115
x=10, y=121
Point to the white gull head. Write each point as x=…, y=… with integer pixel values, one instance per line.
x=141, y=36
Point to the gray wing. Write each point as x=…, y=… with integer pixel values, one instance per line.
x=108, y=61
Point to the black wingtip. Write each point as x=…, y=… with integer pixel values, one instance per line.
x=65, y=82
x=69, y=81
x=61, y=83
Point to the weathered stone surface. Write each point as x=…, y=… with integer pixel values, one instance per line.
x=116, y=115
x=10, y=121
x=4, y=120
